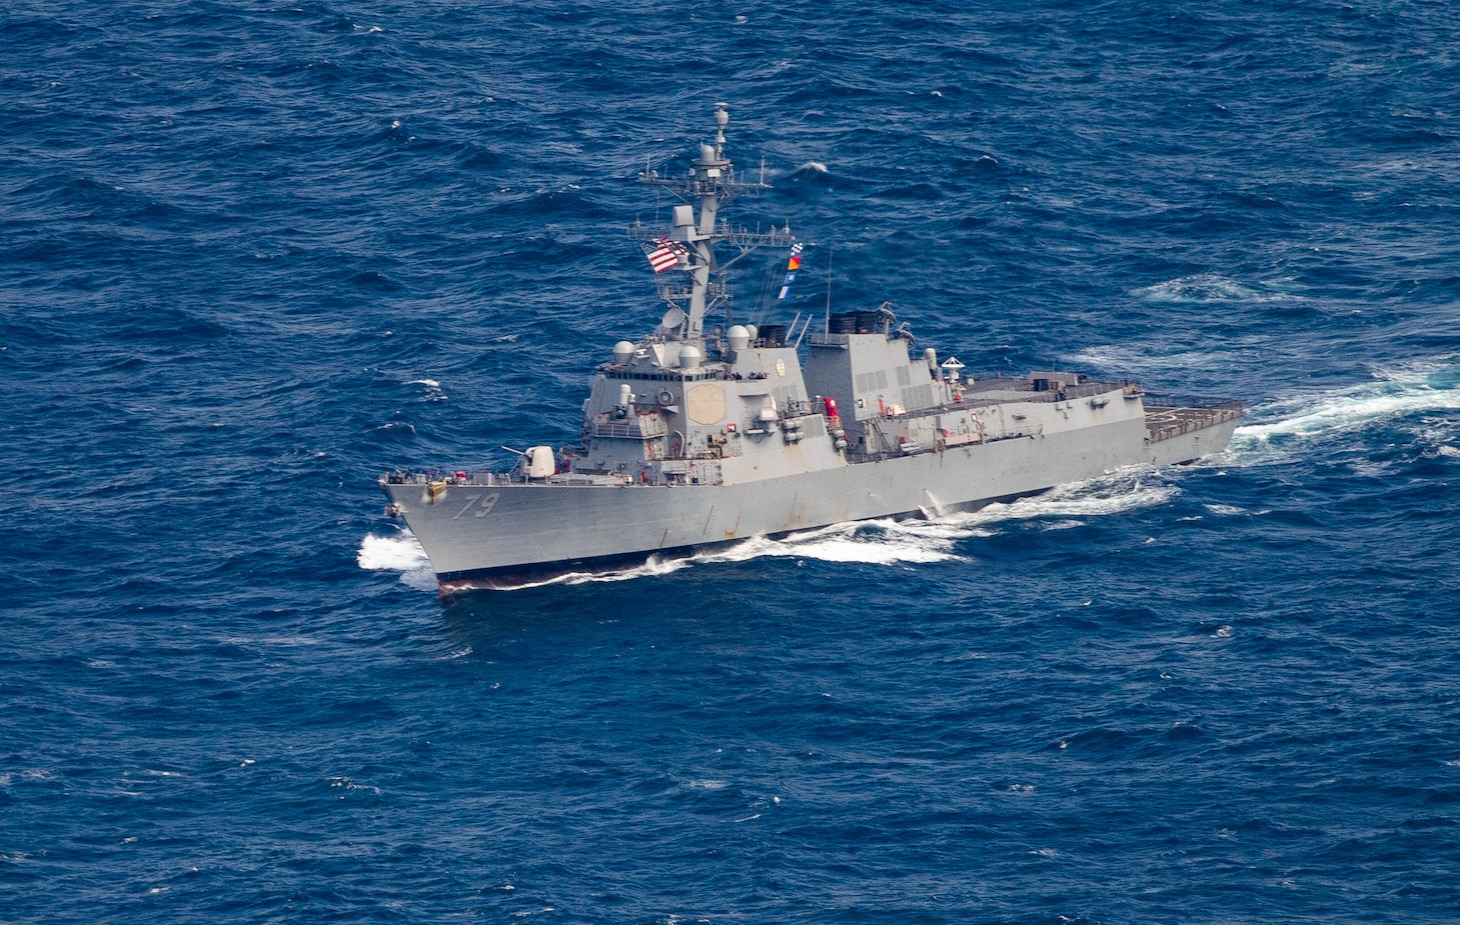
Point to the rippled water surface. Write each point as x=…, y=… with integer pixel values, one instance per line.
x=253, y=255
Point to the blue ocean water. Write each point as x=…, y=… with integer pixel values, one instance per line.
x=252, y=255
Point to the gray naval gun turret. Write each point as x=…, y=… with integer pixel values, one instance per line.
x=692, y=438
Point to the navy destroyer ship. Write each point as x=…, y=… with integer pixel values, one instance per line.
x=694, y=437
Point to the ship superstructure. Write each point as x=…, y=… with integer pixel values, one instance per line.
x=693, y=437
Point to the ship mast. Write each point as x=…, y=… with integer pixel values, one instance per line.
x=712, y=176
x=712, y=183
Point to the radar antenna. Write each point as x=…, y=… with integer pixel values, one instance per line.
x=711, y=184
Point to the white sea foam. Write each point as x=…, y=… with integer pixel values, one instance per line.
x=345, y=783
x=878, y=542
x=816, y=166
x=654, y=567
x=1225, y=510
x=1209, y=287
x=1416, y=389
x=1350, y=411
x=1096, y=498
x=400, y=553
x=433, y=390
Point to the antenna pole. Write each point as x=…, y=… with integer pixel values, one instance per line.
x=804, y=328
x=828, y=289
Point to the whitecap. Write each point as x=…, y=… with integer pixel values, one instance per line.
x=814, y=166
x=1207, y=287
x=433, y=390
x=345, y=783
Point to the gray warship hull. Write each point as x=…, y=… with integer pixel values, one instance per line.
x=695, y=437
x=491, y=532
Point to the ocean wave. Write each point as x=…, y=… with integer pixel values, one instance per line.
x=1203, y=288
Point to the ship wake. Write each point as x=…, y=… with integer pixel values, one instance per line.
x=1419, y=397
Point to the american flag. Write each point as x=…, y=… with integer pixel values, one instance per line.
x=666, y=254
